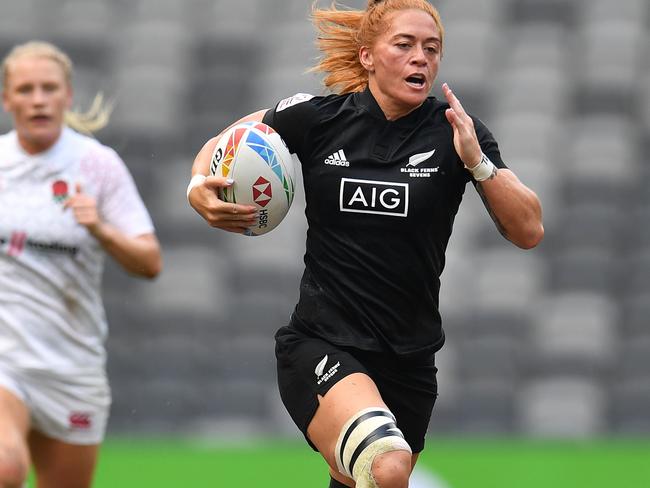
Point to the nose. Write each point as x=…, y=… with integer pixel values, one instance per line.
x=38, y=96
x=419, y=56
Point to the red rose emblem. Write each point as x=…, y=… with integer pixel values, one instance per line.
x=59, y=190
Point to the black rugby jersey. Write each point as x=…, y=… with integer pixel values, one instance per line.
x=381, y=200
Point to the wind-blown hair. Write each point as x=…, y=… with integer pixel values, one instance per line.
x=341, y=33
x=95, y=118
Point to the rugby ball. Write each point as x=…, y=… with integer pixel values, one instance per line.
x=256, y=158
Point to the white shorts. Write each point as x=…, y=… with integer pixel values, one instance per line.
x=66, y=408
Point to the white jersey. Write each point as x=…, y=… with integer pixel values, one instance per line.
x=51, y=314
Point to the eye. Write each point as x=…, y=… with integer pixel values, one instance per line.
x=403, y=45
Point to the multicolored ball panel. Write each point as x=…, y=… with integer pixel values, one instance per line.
x=257, y=159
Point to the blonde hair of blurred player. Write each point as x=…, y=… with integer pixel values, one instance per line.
x=95, y=118
x=341, y=33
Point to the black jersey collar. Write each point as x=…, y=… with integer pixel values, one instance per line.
x=367, y=101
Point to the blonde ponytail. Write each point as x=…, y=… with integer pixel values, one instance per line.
x=91, y=121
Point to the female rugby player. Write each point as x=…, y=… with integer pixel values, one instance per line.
x=65, y=202
x=385, y=167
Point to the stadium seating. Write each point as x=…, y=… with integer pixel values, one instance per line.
x=562, y=407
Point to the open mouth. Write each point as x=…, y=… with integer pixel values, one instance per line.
x=417, y=80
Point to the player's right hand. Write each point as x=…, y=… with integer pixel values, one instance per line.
x=232, y=217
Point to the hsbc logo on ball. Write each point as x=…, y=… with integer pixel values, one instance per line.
x=374, y=197
x=262, y=193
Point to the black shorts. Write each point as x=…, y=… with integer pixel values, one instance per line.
x=309, y=366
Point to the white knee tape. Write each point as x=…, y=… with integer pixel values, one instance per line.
x=367, y=434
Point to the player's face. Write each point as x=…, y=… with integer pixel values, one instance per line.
x=37, y=95
x=403, y=62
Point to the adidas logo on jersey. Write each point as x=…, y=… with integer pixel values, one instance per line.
x=337, y=159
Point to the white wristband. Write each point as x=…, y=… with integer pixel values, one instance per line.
x=484, y=170
x=195, y=181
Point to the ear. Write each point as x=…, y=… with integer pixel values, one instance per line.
x=68, y=103
x=5, y=101
x=365, y=57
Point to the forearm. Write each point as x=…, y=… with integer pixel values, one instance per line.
x=139, y=255
x=514, y=208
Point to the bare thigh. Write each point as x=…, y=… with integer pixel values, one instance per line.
x=350, y=395
x=61, y=465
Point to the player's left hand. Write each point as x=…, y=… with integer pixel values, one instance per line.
x=465, y=140
x=84, y=208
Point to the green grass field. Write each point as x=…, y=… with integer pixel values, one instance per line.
x=133, y=463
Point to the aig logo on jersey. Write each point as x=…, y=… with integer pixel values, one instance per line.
x=374, y=197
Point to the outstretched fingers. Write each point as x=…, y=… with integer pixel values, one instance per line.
x=455, y=113
x=465, y=140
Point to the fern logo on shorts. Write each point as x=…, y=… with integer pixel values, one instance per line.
x=320, y=367
x=320, y=370
x=80, y=420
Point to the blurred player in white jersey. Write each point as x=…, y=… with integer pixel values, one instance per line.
x=66, y=201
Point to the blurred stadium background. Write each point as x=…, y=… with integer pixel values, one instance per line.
x=548, y=344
